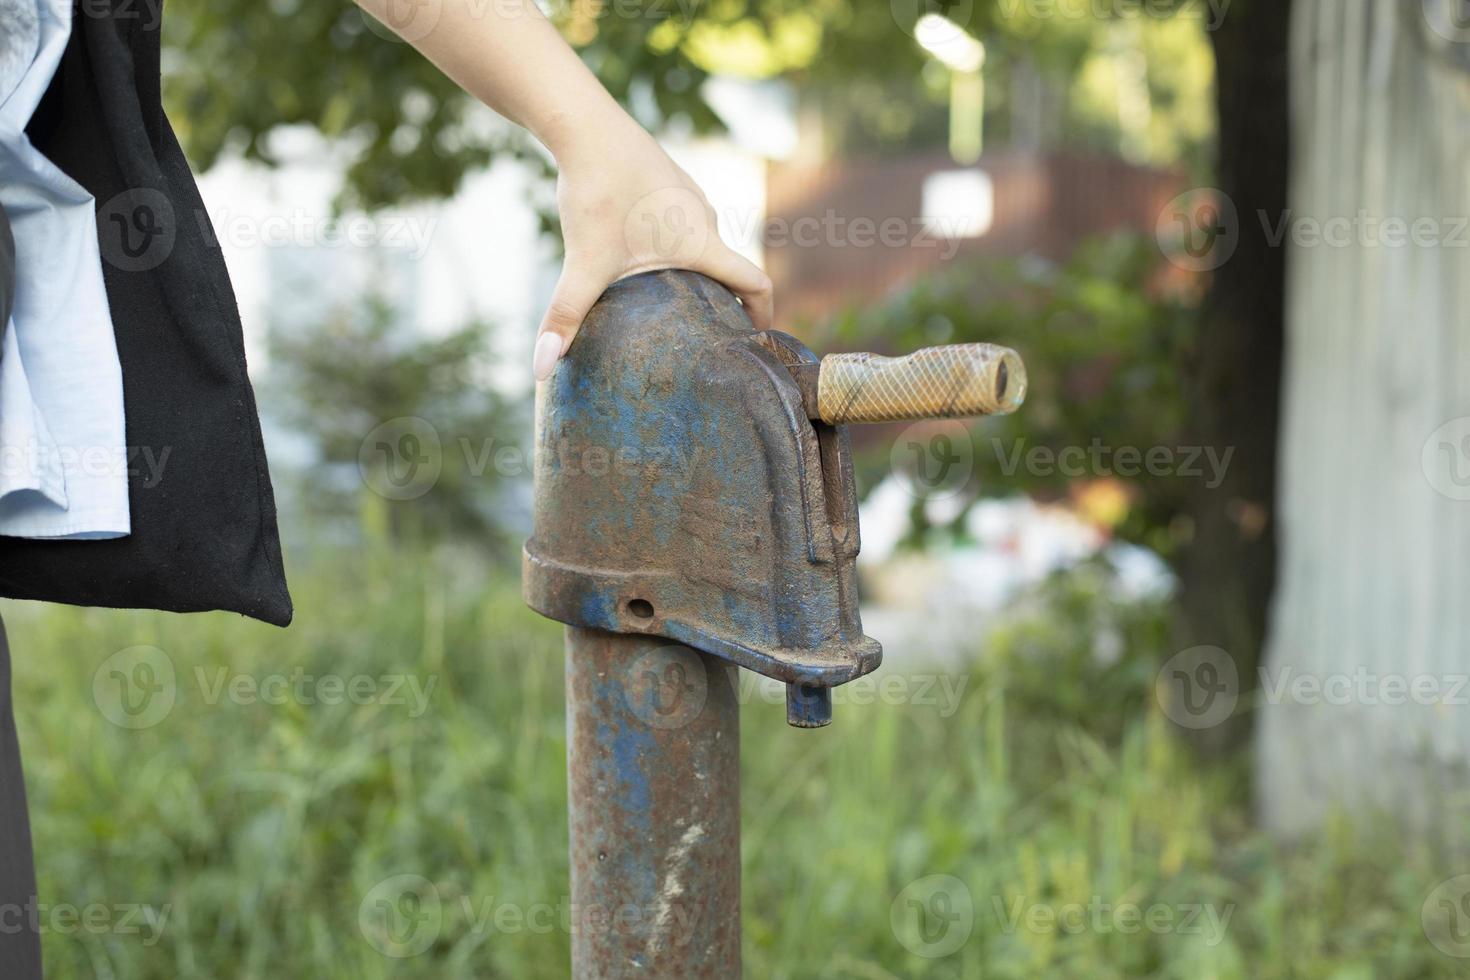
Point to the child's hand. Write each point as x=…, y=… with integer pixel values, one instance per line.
x=627, y=208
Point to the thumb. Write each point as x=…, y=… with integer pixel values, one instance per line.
x=574, y=295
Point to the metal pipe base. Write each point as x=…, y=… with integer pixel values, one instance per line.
x=653, y=774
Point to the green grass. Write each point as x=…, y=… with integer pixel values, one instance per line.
x=263, y=827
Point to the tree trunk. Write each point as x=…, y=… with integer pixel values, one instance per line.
x=1363, y=696
x=1228, y=570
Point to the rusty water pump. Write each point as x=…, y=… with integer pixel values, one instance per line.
x=695, y=513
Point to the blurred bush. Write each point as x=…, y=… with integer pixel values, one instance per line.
x=1106, y=346
x=1048, y=779
x=403, y=428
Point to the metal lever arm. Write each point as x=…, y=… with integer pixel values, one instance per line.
x=934, y=383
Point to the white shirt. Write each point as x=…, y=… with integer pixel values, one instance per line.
x=63, y=456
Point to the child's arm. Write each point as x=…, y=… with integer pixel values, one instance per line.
x=625, y=206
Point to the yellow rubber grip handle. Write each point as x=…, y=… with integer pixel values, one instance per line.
x=934, y=383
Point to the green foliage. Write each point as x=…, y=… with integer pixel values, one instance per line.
x=1105, y=350
x=376, y=398
x=1072, y=626
x=238, y=69
x=1053, y=780
x=1139, y=86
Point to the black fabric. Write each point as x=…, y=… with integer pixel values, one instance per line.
x=204, y=531
x=20, y=937
x=7, y=271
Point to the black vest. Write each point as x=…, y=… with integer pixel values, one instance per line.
x=204, y=532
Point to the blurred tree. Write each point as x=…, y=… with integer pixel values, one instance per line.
x=1135, y=86
x=403, y=426
x=1228, y=569
x=1375, y=487
x=237, y=70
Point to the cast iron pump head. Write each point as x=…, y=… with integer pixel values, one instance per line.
x=694, y=479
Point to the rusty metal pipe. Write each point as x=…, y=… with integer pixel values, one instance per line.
x=694, y=485
x=653, y=778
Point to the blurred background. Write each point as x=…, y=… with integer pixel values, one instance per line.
x=1176, y=676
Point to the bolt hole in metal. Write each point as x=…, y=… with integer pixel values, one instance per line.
x=640, y=609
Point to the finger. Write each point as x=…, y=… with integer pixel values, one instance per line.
x=745, y=279
x=574, y=295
